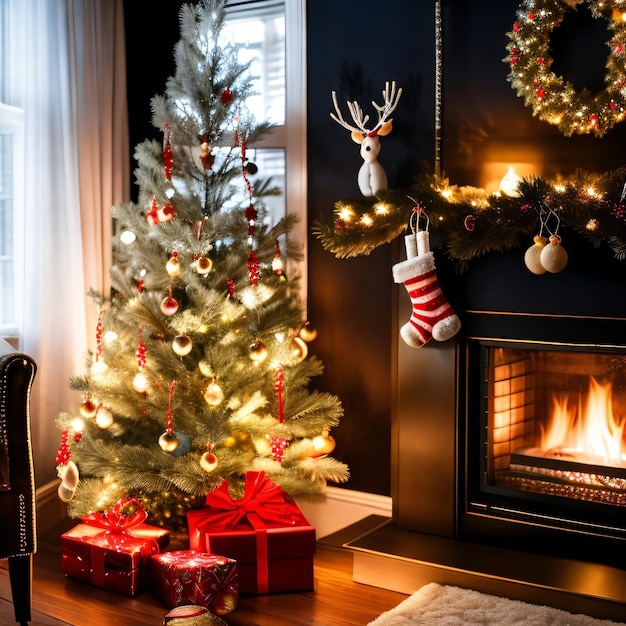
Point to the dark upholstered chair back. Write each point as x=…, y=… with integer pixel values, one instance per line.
x=18, y=539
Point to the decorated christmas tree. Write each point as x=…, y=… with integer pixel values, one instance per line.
x=201, y=370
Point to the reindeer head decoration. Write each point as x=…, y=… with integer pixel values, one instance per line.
x=372, y=177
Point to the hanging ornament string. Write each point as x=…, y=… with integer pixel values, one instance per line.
x=251, y=215
x=141, y=351
x=169, y=427
x=279, y=386
x=168, y=158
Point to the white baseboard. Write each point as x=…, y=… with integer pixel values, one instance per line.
x=342, y=507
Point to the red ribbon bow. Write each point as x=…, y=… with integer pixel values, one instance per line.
x=126, y=514
x=261, y=496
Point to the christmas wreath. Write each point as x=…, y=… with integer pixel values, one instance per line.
x=551, y=97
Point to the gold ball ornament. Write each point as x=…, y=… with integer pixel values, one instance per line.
x=65, y=493
x=88, y=408
x=258, y=351
x=213, y=394
x=307, y=333
x=168, y=441
x=204, y=265
x=224, y=603
x=532, y=258
x=182, y=345
x=553, y=256
x=208, y=462
x=322, y=445
x=299, y=349
x=104, y=418
x=173, y=266
x=140, y=383
x=68, y=473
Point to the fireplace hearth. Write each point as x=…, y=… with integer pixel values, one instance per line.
x=490, y=489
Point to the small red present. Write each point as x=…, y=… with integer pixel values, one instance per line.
x=189, y=577
x=265, y=532
x=112, y=549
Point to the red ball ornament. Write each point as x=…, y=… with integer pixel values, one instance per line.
x=470, y=223
x=169, y=306
x=227, y=96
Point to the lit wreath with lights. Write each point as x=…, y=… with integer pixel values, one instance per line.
x=551, y=98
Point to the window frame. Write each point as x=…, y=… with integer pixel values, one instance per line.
x=291, y=137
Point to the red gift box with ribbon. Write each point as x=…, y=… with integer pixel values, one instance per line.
x=265, y=532
x=189, y=577
x=112, y=549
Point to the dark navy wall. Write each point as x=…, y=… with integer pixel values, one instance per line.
x=354, y=46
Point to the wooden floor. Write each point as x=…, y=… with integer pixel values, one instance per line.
x=336, y=600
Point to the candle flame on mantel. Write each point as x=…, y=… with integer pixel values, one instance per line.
x=589, y=432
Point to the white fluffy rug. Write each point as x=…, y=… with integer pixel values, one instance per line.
x=445, y=605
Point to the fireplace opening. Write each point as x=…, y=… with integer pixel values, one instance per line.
x=545, y=453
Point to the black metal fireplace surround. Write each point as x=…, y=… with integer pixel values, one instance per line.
x=465, y=512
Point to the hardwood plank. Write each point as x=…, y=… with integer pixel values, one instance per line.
x=336, y=599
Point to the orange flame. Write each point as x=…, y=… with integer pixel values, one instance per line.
x=587, y=431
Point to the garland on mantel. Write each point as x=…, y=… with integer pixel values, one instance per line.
x=473, y=222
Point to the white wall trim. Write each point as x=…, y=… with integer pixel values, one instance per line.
x=339, y=509
x=342, y=507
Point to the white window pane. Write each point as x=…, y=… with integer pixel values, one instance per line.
x=259, y=32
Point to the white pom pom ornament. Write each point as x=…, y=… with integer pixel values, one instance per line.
x=553, y=257
x=532, y=258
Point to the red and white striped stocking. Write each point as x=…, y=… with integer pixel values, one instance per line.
x=432, y=315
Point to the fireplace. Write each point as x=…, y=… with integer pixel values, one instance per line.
x=499, y=482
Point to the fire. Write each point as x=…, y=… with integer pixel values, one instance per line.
x=589, y=431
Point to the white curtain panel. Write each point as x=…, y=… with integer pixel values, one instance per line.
x=66, y=57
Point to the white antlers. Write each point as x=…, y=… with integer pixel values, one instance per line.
x=372, y=177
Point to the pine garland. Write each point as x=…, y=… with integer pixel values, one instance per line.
x=473, y=222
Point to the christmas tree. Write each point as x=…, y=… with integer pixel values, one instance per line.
x=201, y=370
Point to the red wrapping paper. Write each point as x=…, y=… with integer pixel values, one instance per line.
x=264, y=532
x=191, y=577
x=113, y=550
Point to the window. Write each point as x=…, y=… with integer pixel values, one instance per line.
x=271, y=35
x=11, y=196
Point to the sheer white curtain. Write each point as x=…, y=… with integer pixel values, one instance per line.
x=67, y=74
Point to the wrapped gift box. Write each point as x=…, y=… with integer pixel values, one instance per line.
x=111, y=552
x=190, y=577
x=264, y=532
